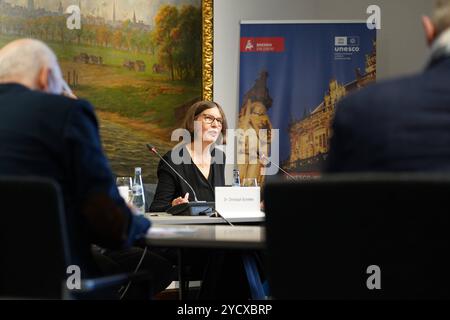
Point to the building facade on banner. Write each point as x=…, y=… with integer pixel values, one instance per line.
x=310, y=136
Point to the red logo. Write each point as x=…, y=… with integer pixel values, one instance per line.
x=274, y=44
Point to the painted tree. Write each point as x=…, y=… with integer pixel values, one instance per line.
x=43, y=23
x=62, y=27
x=166, y=35
x=79, y=35
x=88, y=35
x=103, y=35
x=53, y=28
x=189, y=48
x=127, y=32
x=117, y=39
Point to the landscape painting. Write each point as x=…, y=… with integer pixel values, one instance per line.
x=139, y=62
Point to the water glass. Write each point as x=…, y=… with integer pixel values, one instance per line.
x=249, y=182
x=124, y=184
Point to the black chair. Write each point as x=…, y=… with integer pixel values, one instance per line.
x=34, y=245
x=324, y=235
x=149, y=193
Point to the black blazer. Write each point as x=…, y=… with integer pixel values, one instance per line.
x=56, y=137
x=170, y=186
x=397, y=125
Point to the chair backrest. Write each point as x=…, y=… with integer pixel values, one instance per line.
x=33, y=238
x=149, y=193
x=326, y=238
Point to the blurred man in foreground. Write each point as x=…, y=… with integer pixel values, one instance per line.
x=403, y=124
x=44, y=133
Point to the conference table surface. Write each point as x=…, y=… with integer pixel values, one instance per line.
x=205, y=232
x=207, y=236
x=167, y=219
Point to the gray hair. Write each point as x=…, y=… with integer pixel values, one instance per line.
x=441, y=15
x=23, y=60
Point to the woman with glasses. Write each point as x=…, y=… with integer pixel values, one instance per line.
x=203, y=166
x=198, y=161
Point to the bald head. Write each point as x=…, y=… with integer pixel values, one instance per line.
x=439, y=23
x=31, y=63
x=441, y=15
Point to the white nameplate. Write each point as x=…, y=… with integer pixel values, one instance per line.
x=238, y=202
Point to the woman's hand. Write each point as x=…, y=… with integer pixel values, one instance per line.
x=181, y=200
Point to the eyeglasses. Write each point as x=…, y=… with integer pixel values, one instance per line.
x=210, y=119
x=260, y=113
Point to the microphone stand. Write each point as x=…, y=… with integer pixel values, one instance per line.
x=264, y=158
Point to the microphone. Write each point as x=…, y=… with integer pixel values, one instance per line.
x=186, y=209
x=262, y=157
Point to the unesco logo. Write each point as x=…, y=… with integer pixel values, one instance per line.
x=353, y=41
x=350, y=41
x=348, y=44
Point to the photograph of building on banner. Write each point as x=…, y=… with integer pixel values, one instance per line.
x=138, y=62
x=292, y=76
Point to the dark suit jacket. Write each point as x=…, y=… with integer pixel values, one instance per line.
x=397, y=125
x=170, y=186
x=57, y=137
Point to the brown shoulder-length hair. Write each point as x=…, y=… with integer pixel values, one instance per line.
x=196, y=109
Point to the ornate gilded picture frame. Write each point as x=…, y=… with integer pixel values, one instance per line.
x=208, y=53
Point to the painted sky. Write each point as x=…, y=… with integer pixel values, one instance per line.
x=145, y=9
